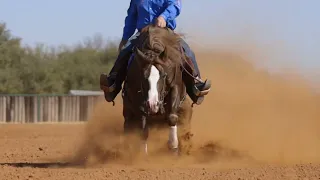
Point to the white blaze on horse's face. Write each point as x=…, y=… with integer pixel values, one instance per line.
x=153, y=94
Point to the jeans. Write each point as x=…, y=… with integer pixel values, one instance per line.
x=124, y=51
x=191, y=55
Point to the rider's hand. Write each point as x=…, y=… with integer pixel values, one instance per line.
x=161, y=22
x=122, y=43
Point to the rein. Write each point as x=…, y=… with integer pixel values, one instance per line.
x=184, y=69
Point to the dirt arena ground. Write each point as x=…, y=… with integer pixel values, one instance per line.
x=253, y=125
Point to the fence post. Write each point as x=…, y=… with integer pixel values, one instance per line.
x=38, y=108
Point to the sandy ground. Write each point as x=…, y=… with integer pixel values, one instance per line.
x=253, y=125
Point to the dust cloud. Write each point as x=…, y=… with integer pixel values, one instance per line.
x=271, y=117
x=250, y=115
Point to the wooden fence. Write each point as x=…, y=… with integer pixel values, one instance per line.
x=45, y=108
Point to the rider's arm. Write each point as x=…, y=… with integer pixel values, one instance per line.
x=173, y=10
x=130, y=21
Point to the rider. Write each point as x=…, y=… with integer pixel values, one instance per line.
x=140, y=14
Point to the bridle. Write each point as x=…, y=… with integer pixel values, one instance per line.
x=164, y=89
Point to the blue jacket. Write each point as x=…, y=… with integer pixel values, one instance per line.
x=144, y=12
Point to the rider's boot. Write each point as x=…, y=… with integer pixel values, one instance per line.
x=199, y=90
x=111, y=84
x=196, y=88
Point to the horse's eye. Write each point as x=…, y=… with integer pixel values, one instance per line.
x=146, y=76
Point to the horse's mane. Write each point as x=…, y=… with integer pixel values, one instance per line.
x=150, y=38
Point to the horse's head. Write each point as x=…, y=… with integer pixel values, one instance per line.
x=159, y=57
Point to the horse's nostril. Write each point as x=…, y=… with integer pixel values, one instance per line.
x=150, y=103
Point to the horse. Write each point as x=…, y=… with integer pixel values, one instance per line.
x=154, y=92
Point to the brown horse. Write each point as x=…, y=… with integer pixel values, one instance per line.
x=154, y=92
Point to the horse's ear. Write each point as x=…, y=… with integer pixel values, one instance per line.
x=141, y=56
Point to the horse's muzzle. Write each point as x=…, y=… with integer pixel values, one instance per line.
x=153, y=107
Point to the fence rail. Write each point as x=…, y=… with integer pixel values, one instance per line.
x=46, y=108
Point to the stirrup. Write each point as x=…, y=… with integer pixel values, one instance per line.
x=107, y=88
x=205, y=89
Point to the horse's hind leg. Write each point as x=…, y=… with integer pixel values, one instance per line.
x=132, y=129
x=185, y=135
x=145, y=134
x=137, y=125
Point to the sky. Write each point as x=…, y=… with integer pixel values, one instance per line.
x=287, y=30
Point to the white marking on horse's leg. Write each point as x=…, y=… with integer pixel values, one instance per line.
x=145, y=144
x=173, y=137
x=145, y=147
x=153, y=94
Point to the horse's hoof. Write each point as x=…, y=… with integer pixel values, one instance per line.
x=175, y=151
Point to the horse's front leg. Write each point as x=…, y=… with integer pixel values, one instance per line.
x=173, y=119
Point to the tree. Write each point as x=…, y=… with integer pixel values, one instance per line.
x=11, y=55
x=52, y=70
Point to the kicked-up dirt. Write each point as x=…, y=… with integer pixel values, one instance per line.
x=252, y=125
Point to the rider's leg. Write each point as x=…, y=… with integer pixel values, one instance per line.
x=111, y=84
x=196, y=89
